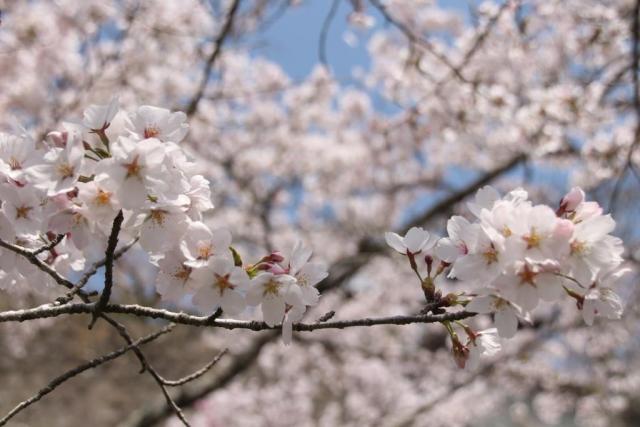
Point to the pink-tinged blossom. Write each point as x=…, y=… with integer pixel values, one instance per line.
x=135, y=167
x=98, y=117
x=199, y=244
x=161, y=226
x=593, y=249
x=17, y=155
x=537, y=234
x=485, y=343
x=100, y=201
x=505, y=313
x=221, y=285
x=199, y=194
x=525, y=283
x=485, y=258
x=274, y=293
x=601, y=300
x=307, y=274
x=72, y=221
x=22, y=206
x=61, y=168
x=416, y=240
x=160, y=123
x=462, y=236
x=174, y=279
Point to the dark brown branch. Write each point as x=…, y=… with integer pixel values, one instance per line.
x=217, y=49
x=80, y=369
x=108, y=268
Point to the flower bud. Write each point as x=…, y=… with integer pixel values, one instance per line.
x=571, y=200
x=58, y=139
x=460, y=353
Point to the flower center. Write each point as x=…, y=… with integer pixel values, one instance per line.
x=23, y=212
x=533, y=239
x=182, y=273
x=577, y=247
x=222, y=283
x=14, y=164
x=204, y=252
x=65, y=170
x=490, y=255
x=158, y=216
x=271, y=287
x=103, y=198
x=527, y=275
x=151, y=132
x=133, y=168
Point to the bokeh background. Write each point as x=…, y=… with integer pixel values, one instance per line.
x=334, y=121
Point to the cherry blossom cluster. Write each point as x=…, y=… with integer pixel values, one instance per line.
x=73, y=185
x=515, y=255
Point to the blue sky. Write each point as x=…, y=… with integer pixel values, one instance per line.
x=293, y=40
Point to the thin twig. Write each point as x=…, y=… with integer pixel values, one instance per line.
x=146, y=366
x=41, y=265
x=49, y=246
x=80, y=369
x=197, y=374
x=414, y=38
x=217, y=49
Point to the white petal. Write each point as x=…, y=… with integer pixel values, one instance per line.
x=272, y=310
x=396, y=242
x=506, y=322
x=482, y=304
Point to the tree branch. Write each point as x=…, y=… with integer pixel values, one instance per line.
x=48, y=311
x=197, y=374
x=108, y=272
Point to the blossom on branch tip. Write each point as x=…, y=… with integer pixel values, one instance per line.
x=159, y=123
x=99, y=117
x=415, y=241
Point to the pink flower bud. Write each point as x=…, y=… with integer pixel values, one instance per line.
x=59, y=139
x=573, y=198
x=460, y=353
x=275, y=257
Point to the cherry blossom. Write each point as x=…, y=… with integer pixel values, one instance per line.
x=416, y=240
x=221, y=284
